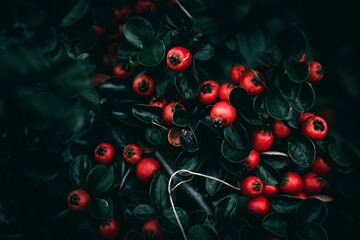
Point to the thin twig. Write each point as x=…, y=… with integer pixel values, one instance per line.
x=183, y=9
x=155, y=122
x=187, y=180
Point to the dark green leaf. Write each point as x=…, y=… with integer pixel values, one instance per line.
x=75, y=14
x=267, y=174
x=306, y=98
x=277, y=106
x=168, y=222
x=205, y=53
x=225, y=210
x=285, y=203
x=238, y=96
x=311, y=210
x=90, y=95
x=113, y=84
x=249, y=233
x=144, y=212
x=99, y=180
x=259, y=103
x=198, y=217
x=187, y=84
x=126, y=50
x=202, y=232
x=288, y=88
x=147, y=113
x=153, y=54
x=205, y=24
x=188, y=140
x=311, y=231
x=133, y=235
x=301, y=150
x=338, y=155
x=139, y=32
x=156, y=135
x=251, y=44
x=276, y=159
x=233, y=155
x=237, y=136
x=79, y=169
x=159, y=196
x=211, y=185
x=290, y=44
x=292, y=119
x=277, y=223
x=123, y=113
x=101, y=208
x=298, y=72
x=188, y=161
x=181, y=118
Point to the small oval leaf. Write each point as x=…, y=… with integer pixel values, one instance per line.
x=99, y=180
x=277, y=106
x=233, y=155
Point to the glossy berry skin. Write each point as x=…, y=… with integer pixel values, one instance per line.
x=291, y=183
x=301, y=195
x=122, y=13
x=222, y=114
x=224, y=91
x=253, y=84
x=132, y=153
x=143, y=85
x=314, y=128
x=259, y=205
x=262, y=139
x=251, y=161
x=280, y=129
x=303, y=58
x=169, y=110
x=178, y=59
x=123, y=70
x=304, y=116
x=251, y=187
x=100, y=30
x=270, y=190
x=104, y=153
x=145, y=8
x=320, y=166
x=146, y=169
x=78, y=200
x=316, y=72
x=109, y=229
x=313, y=184
x=236, y=72
x=158, y=101
x=209, y=92
x=151, y=230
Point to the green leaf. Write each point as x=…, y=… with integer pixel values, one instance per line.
x=101, y=208
x=205, y=53
x=181, y=118
x=211, y=185
x=159, y=196
x=113, y=84
x=338, y=156
x=301, y=150
x=251, y=44
x=79, y=169
x=238, y=96
x=277, y=106
x=298, y=72
x=156, y=135
x=225, y=210
x=205, y=24
x=249, y=233
x=187, y=84
x=311, y=231
x=99, y=180
x=188, y=161
x=202, y=232
x=285, y=203
x=267, y=174
x=146, y=113
x=76, y=13
x=90, y=95
x=168, y=222
x=233, y=155
x=306, y=98
x=237, y=136
x=311, y=210
x=277, y=223
x=126, y=50
x=144, y=212
x=134, y=235
x=259, y=103
x=123, y=113
x=139, y=32
x=153, y=54
x=288, y=88
x=275, y=159
x=290, y=44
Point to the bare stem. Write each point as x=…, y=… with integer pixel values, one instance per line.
x=183, y=9
x=155, y=122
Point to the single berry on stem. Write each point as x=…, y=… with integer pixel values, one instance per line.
x=262, y=139
x=313, y=184
x=224, y=91
x=314, y=128
x=236, y=72
x=209, y=92
x=78, y=200
x=280, y=129
x=291, y=183
x=320, y=166
x=109, y=229
x=146, y=169
x=143, y=85
x=222, y=114
x=251, y=187
x=316, y=72
x=178, y=59
x=251, y=161
x=270, y=190
x=253, y=81
x=104, y=153
x=151, y=230
x=158, y=101
x=259, y=205
x=132, y=153
x=123, y=70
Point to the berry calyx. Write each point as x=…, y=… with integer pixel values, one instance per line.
x=236, y=72
x=122, y=13
x=169, y=110
x=251, y=161
x=320, y=166
x=224, y=91
x=178, y=59
x=262, y=139
x=143, y=85
x=123, y=70
x=270, y=190
x=145, y=8
x=222, y=114
x=104, y=153
x=109, y=229
x=259, y=205
x=313, y=184
x=146, y=169
x=132, y=153
x=151, y=230
x=158, y=101
x=280, y=129
x=78, y=200
x=314, y=128
x=291, y=183
x=253, y=82
x=251, y=187
x=209, y=92
x=316, y=72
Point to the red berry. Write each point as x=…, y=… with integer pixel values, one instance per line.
x=104, y=153
x=291, y=183
x=320, y=166
x=302, y=58
x=253, y=82
x=146, y=169
x=316, y=72
x=151, y=230
x=224, y=91
x=251, y=187
x=109, y=229
x=313, y=184
x=122, y=13
x=280, y=129
x=169, y=110
x=178, y=59
x=236, y=72
x=304, y=116
x=222, y=114
x=158, y=101
x=143, y=85
x=209, y=92
x=301, y=195
x=145, y=8
x=123, y=70
x=78, y=200
x=132, y=153
x=270, y=190
x=100, y=30
x=314, y=128
x=259, y=205
x=251, y=161
x=262, y=139
x=120, y=30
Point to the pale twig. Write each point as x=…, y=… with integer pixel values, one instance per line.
x=183, y=9
x=155, y=122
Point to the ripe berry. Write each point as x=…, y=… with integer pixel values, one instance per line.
x=209, y=92
x=262, y=139
x=169, y=110
x=313, y=184
x=316, y=72
x=304, y=116
x=280, y=129
x=158, y=101
x=104, y=153
x=132, y=153
x=123, y=70
x=251, y=187
x=270, y=190
x=143, y=85
x=291, y=183
x=146, y=169
x=301, y=195
x=100, y=30
x=122, y=13
x=253, y=82
x=224, y=91
x=145, y=8
x=178, y=59
x=222, y=114
x=78, y=200
x=314, y=128
x=259, y=205
x=151, y=230
x=302, y=58
x=109, y=229
x=236, y=72
x=320, y=166
x=251, y=161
